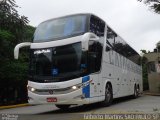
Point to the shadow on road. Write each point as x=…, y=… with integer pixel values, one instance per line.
x=90, y=107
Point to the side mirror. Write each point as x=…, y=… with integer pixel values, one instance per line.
x=85, y=39
x=16, y=49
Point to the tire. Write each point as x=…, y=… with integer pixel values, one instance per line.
x=63, y=107
x=108, y=96
x=136, y=91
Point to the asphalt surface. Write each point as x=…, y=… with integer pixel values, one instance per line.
x=145, y=104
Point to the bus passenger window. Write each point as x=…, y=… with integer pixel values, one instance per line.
x=97, y=26
x=110, y=37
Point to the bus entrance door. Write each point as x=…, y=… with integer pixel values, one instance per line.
x=94, y=86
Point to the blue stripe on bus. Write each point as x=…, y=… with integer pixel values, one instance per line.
x=86, y=89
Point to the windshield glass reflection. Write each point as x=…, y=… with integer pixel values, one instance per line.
x=58, y=63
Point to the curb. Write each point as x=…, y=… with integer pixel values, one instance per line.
x=14, y=106
x=152, y=94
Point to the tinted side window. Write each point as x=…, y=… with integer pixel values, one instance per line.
x=116, y=43
x=95, y=56
x=120, y=46
x=110, y=37
x=124, y=49
x=97, y=26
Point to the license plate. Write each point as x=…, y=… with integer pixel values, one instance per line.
x=51, y=99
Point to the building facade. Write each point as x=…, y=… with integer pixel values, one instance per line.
x=153, y=63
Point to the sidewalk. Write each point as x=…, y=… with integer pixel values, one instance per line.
x=150, y=93
x=13, y=106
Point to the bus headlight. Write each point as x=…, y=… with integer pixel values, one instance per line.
x=74, y=87
x=31, y=89
x=81, y=85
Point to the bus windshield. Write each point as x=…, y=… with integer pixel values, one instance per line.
x=60, y=28
x=58, y=63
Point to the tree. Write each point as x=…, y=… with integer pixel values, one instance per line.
x=144, y=70
x=144, y=51
x=11, y=20
x=153, y=4
x=145, y=73
x=13, y=74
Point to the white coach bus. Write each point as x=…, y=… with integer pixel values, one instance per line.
x=79, y=59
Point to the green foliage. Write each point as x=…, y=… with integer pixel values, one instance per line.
x=144, y=51
x=28, y=34
x=11, y=20
x=14, y=70
x=6, y=42
x=13, y=73
x=5, y=35
x=144, y=72
x=145, y=77
x=153, y=4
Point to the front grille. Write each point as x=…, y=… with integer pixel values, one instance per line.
x=52, y=91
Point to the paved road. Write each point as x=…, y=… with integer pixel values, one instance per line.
x=143, y=104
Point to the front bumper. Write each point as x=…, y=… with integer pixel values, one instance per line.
x=75, y=97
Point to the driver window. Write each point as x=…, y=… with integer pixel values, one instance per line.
x=95, y=56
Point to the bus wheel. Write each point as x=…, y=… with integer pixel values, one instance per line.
x=63, y=107
x=136, y=91
x=108, y=95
